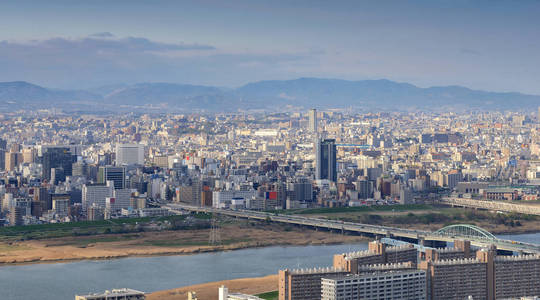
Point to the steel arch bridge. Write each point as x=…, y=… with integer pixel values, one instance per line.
x=466, y=230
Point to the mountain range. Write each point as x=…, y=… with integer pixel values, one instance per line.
x=263, y=95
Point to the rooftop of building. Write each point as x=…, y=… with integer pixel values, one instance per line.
x=457, y=261
x=373, y=274
x=357, y=254
x=239, y=296
x=400, y=248
x=382, y=267
x=517, y=257
x=115, y=292
x=448, y=250
x=316, y=270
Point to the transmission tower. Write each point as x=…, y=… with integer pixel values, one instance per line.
x=215, y=234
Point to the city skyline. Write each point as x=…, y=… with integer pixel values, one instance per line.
x=269, y=150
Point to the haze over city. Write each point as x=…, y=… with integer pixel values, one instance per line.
x=487, y=45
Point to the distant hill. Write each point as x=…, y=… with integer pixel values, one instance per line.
x=173, y=94
x=380, y=93
x=24, y=93
x=272, y=94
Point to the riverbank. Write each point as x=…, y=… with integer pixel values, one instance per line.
x=209, y=291
x=108, y=246
x=36, y=247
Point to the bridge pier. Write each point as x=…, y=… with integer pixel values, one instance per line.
x=434, y=244
x=504, y=252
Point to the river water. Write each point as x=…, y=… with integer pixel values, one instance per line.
x=64, y=280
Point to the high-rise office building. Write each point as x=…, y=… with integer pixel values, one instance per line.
x=129, y=154
x=115, y=174
x=41, y=200
x=312, y=115
x=326, y=159
x=58, y=158
x=60, y=205
x=301, y=190
x=28, y=155
x=2, y=159
x=190, y=194
x=3, y=146
x=21, y=207
x=12, y=160
x=95, y=194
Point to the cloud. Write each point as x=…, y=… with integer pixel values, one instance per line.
x=102, y=35
x=101, y=42
x=103, y=58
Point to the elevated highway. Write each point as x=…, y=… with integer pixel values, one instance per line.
x=477, y=237
x=492, y=205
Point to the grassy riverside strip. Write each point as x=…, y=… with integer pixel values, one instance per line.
x=427, y=217
x=188, y=234
x=235, y=234
x=83, y=228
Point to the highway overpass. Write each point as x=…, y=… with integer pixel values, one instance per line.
x=477, y=236
x=492, y=205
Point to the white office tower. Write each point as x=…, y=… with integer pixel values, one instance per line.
x=96, y=194
x=129, y=154
x=313, y=120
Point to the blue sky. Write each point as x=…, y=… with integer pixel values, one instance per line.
x=491, y=45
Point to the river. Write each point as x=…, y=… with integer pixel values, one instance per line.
x=64, y=280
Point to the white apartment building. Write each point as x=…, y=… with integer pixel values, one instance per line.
x=402, y=284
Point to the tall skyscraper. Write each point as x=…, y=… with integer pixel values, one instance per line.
x=2, y=159
x=129, y=154
x=115, y=174
x=12, y=160
x=326, y=160
x=58, y=158
x=3, y=147
x=312, y=120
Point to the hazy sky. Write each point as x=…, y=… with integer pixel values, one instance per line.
x=491, y=45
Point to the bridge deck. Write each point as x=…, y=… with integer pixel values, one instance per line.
x=492, y=205
x=383, y=231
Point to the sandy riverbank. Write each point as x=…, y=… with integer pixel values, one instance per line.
x=233, y=236
x=209, y=291
x=162, y=243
